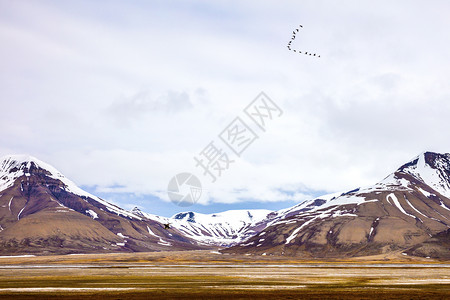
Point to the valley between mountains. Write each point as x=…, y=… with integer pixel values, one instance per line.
x=44, y=213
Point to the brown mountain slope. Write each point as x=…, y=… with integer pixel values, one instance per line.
x=437, y=246
x=404, y=210
x=41, y=212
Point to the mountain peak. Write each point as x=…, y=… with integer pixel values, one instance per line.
x=21, y=164
x=19, y=157
x=13, y=167
x=432, y=159
x=432, y=169
x=188, y=216
x=137, y=211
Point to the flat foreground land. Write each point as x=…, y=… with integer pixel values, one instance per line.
x=105, y=277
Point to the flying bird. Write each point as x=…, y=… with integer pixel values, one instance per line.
x=294, y=33
x=167, y=226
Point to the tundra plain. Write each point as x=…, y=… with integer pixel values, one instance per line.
x=210, y=275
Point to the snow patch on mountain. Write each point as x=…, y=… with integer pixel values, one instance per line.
x=397, y=204
x=92, y=213
x=425, y=193
x=151, y=232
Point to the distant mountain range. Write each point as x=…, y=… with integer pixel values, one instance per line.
x=43, y=212
x=220, y=229
x=223, y=229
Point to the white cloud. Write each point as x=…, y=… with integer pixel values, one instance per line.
x=128, y=109
x=122, y=97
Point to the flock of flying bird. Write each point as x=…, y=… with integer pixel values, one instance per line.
x=293, y=38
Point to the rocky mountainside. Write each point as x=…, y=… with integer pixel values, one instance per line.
x=409, y=210
x=43, y=212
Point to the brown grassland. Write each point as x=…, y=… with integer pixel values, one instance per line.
x=209, y=275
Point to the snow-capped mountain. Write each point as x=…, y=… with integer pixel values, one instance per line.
x=432, y=169
x=41, y=211
x=16, y=166
x=405, y=209
x=222, y=229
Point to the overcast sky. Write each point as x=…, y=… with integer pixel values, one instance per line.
x=121, y=95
